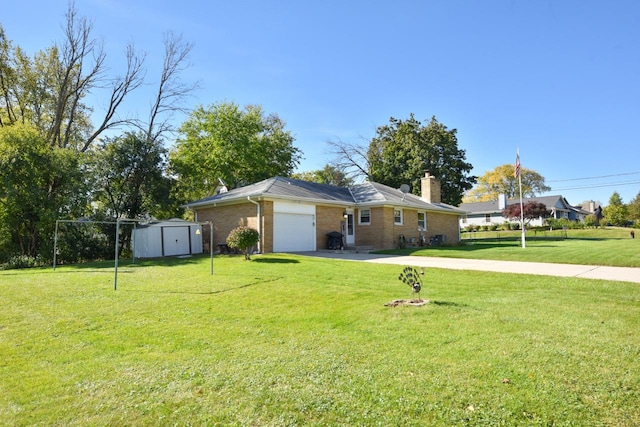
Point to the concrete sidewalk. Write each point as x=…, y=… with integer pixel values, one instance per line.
x=622, y=274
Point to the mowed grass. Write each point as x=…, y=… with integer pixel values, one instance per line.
x=292, y=340
x=610, y=247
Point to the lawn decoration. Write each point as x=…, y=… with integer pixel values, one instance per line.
x=410, y=276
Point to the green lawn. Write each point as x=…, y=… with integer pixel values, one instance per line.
x=611, y=247
x=290, y=340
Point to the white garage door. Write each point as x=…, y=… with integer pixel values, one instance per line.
x=293, y=232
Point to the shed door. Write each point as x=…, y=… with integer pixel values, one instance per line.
x=175, y=241
x=293, y=232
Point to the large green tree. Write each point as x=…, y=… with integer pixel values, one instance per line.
x=36, y=185
x=502, y=180
x=327, y=175
x=634, y=208
x=129, y=181
x=129, y=176
x=236, y=145
x=403, y=150
x=616, y=212
x=48, y=93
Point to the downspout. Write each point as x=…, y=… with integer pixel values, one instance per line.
x=259, y=222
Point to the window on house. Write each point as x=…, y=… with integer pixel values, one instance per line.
x=397, y=216
x=487, y=218
x=365, y=216
x=422, y=221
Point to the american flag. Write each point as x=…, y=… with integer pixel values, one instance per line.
x=517, y=171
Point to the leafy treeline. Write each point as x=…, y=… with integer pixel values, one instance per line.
x=64, y=159
x=401, y=153
x=56, y=160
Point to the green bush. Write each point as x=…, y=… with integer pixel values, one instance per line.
x=591, y=221
x=244, y=239
x=563, y=223
x=22, y=261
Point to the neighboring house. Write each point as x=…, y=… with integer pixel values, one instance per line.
x=488, y=213
x=293, y=215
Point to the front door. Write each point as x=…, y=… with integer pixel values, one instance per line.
x=350, y=230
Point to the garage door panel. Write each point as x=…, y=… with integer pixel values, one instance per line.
x=293, y=232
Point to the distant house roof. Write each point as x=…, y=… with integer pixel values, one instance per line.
x=551, y=202
x=365, y=194
x=481, y=207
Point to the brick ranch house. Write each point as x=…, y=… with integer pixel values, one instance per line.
x=295, y=216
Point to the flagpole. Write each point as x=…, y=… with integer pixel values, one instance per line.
x=524, y=244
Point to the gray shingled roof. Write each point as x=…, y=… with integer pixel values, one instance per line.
x=374, y=193
x=368, y=193
x=280, y=187
x=492, y=206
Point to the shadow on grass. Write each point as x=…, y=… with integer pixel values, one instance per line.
x=38, y=271
x=276, y=260
x=139, y=262
x=219, y=291
x=450, y=304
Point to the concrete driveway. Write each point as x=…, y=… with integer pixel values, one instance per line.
x=622, y=274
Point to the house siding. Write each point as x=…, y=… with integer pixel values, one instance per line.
x=225, y=219
x=443, y=224
x=328, y=219
x=383, y=233
x=373, y=234
x=266, y=237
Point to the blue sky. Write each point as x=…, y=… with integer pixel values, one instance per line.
x=560, y=80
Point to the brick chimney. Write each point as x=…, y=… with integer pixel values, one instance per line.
x=430, y=188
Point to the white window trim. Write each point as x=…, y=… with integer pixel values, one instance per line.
x=401, y=216
x=360, y=222
x=425, y=221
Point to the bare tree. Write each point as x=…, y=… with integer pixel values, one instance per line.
x=121, y=86
x=171, y=90
x=76, y=68
x=50, y=90
x=350, y=158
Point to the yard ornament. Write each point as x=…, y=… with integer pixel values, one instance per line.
x=411, y=277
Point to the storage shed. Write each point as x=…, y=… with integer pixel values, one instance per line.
x=173, y=237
